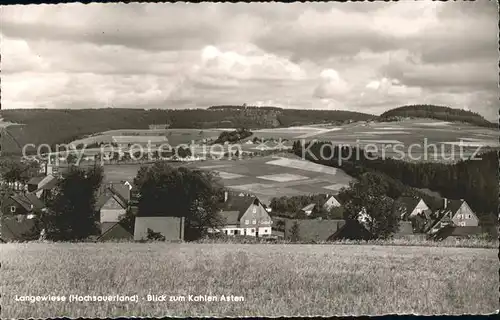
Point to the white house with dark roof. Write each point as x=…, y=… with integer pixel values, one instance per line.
x=245, y=215
x=332, y=201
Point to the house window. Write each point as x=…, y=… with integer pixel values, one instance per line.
x=254, y=210
x=230, y=231
x=252, y=230
x=13, y=209
x=254, y=221
x=469, y=216
x=247, y=221
x=236, y=232
x=225, y=231
x=462, y=224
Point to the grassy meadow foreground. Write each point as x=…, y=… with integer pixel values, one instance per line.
x=273, y=279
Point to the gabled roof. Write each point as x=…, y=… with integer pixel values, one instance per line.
x=351, y=230
x=101, y=201
x=37, y=203
x=448, y=213
x=309, y=207
x=28, y=201
x=336, y=196
x=47, y=183
x=239, y=204
x=230, y=217
x=14, y=230
x=114, y=230
x=313, y=230
x=36, y=180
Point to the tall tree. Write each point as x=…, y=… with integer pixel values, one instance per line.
x=182, y=192
x=71, y=211
x=367, y=200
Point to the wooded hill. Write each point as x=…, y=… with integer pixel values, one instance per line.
x=476, y=181
x=436, y=112
x=48, y=126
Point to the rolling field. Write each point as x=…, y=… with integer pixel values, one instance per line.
x=273, y=280
x=266, y=177
x=446, y=136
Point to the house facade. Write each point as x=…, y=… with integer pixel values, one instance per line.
x=245, y=215
x=17, y=215
x=331, y=202
x=461, y=214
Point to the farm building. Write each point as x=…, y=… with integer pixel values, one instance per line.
x=245, y=215
x=312, y=230
x=114, y=231
x=411, y=207
x=351, y=230
x=113, y=202
x=172, y=228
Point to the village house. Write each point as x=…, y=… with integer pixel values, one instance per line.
x=412, y=207
x=245, y=215
x=332, y=201
x=309, y=230
x=112, y=205
x=454, y=215
x=17, y=215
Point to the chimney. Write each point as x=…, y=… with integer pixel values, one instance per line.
x=226, y=194
x=445, y=203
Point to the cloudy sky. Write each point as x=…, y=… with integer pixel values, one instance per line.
x=366, y=57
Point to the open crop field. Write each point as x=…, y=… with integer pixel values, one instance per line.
x=266, y=177
x=445, y=136
x=272, y=280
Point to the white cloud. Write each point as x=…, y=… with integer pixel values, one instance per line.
x=331, y=85
x=362, y=56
